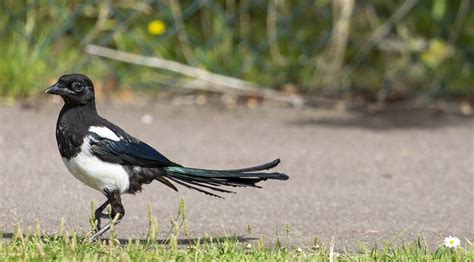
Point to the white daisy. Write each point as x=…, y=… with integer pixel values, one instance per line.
x=452, y=242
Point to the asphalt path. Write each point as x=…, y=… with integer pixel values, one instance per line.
x=354, y=177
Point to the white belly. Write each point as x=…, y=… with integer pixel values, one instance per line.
x=96, y=173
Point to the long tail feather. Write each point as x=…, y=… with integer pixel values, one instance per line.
x=195, y=188
x=203, y=180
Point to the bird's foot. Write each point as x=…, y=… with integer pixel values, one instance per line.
x=101, y=231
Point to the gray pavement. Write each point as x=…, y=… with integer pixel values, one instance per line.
x=352, y=176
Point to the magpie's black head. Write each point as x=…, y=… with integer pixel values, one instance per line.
x=75, y=89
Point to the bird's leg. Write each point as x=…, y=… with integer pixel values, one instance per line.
x=99, y=215
x=117, y=212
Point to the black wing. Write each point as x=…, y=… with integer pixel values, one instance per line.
x=127, y=151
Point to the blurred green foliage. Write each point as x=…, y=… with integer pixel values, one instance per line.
x=273, y=43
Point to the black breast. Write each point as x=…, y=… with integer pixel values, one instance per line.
x=71, y=128
x=69, y=144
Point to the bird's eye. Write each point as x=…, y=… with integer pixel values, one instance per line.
x=77, y=86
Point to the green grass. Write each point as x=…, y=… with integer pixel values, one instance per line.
x=71, y=247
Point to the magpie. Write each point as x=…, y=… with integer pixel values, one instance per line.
x=106, y=158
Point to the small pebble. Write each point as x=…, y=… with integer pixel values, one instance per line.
x=466, y=108
x=147, y=119
x=379, y=157
x=201, y=100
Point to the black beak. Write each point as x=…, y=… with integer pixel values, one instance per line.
x=56, y=89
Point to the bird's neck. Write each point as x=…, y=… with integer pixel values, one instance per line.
x=80, y=112
x=88, y=105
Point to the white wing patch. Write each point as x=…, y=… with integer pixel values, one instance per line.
x=96, y=173
x=104, y=132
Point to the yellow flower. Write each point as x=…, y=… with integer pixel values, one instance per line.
x=437, y=52
x=156, y=27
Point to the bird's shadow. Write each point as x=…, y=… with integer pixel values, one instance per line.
x=189, y=241
x=6, y=235
x=181, y=241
